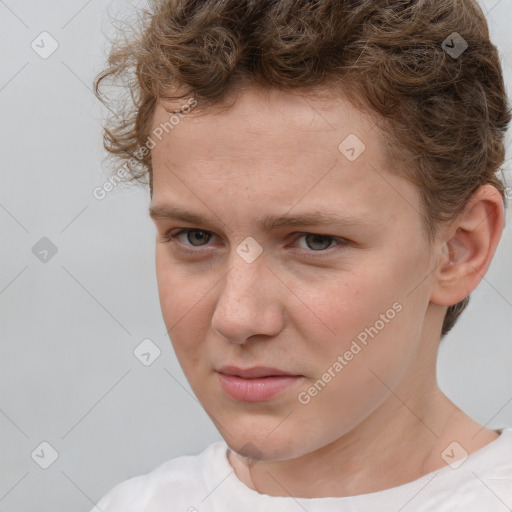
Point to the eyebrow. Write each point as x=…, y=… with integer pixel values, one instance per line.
x=271, y=222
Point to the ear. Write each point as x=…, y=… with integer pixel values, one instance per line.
x=467, y=247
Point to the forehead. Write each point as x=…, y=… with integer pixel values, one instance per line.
x=257, y=115
x=278, y=148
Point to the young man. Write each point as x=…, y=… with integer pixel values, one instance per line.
x=323, y=184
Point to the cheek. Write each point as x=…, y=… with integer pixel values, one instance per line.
x=184, y=304
x=374, y=323
x=365, y=317
x=366, y=350
x=342, y=307
x=179, y=287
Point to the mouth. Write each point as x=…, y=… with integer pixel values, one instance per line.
x=256, y=384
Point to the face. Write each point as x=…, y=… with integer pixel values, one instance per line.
x=291, y=267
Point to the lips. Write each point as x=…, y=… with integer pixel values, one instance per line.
x=256, y=384
x=255, y=372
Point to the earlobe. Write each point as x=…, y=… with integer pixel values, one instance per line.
x=470, y=244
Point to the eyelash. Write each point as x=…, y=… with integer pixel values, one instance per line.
x=171, y=237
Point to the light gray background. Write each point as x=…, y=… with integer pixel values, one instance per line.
x=69, y=326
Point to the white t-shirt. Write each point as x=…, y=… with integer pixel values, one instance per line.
x=207, y=483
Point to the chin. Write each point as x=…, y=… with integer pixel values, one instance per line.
x=257, y=445
x=261, y=433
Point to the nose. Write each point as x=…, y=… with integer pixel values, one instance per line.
x=250, y=303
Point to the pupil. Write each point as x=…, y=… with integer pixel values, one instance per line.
x=318, y=239
x=198, y=236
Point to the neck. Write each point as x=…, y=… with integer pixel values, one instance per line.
x=413, y=428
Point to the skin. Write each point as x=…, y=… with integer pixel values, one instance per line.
x=302, y=302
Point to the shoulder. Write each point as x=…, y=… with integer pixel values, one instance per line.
x=483, y=481
x=176, y=482
x=498, y=473
x=499, y=454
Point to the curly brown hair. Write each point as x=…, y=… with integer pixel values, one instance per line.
x=444, y=115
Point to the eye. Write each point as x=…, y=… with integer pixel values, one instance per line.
x=316, y=242
x=189, y=240
x=194, y=237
